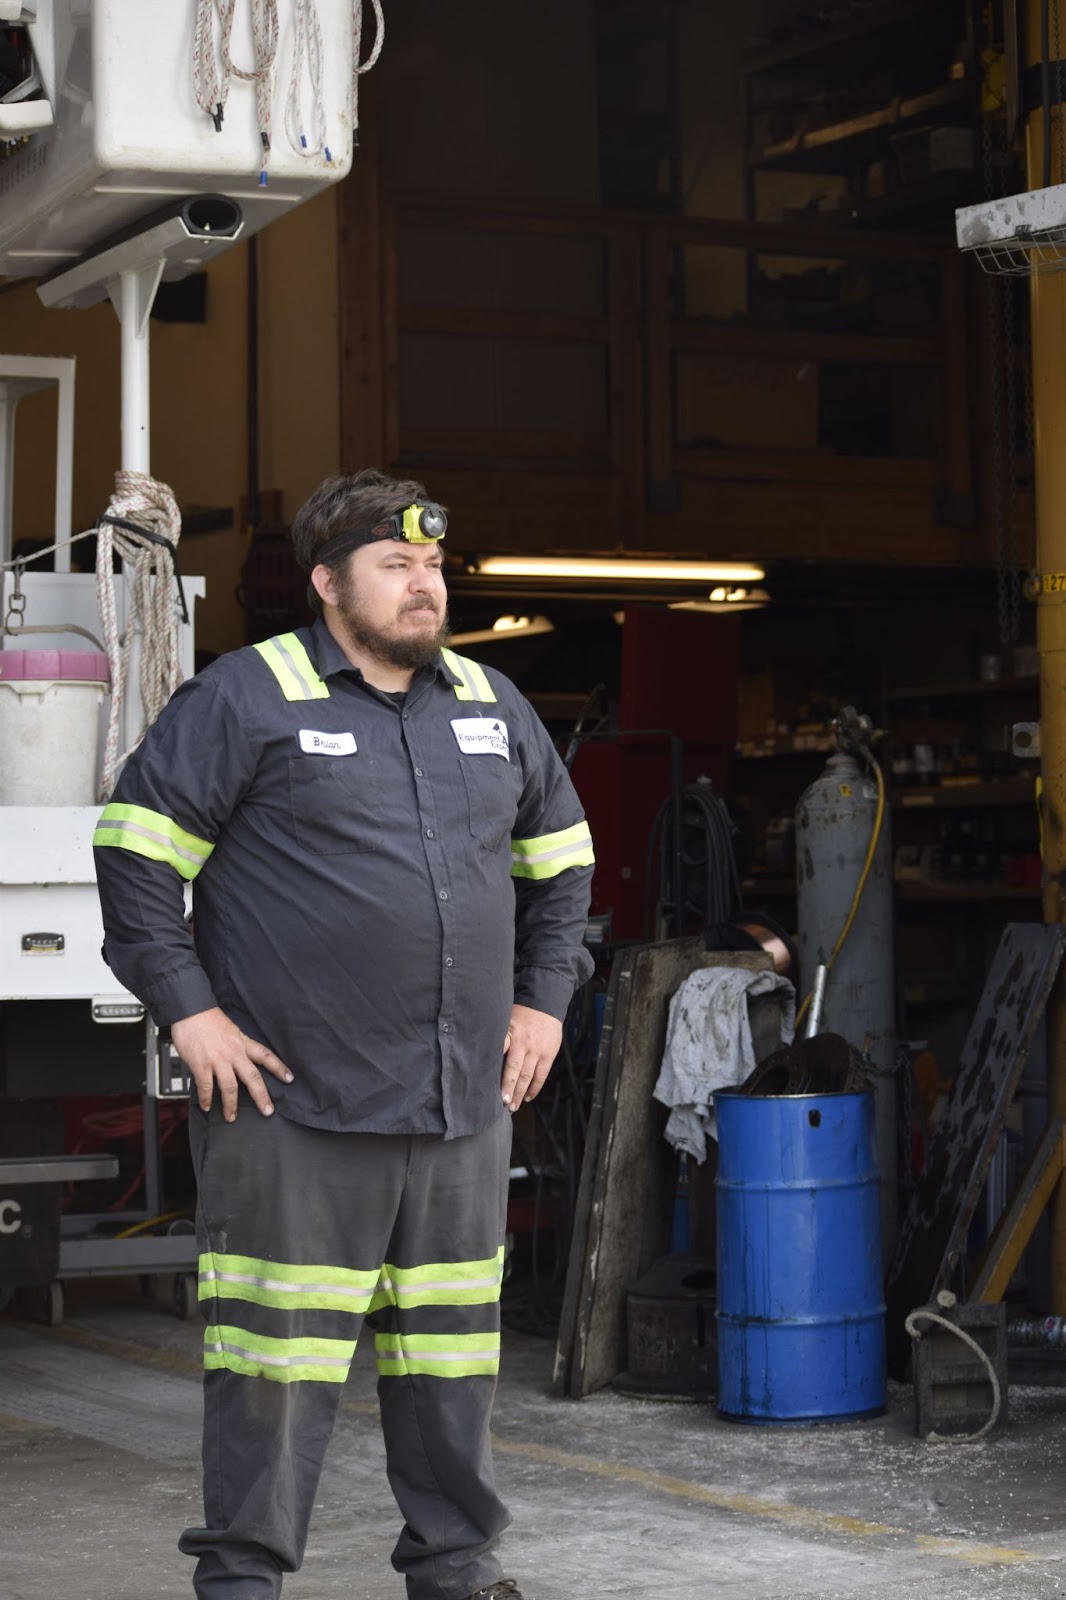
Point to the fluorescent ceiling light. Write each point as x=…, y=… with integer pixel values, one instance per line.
x=618, y=569
x=505, y=628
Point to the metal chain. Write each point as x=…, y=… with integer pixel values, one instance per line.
x=1029, y=554
x=994, y=316
x=1058, y=95
x=1011, y=581
x=994, y=308
x=905, y=1080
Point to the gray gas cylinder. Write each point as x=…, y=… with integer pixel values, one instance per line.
x=834, y=821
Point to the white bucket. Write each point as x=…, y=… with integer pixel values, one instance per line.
x=49, y=726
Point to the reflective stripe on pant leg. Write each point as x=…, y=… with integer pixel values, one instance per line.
x=292, y=1225
x=437, y=1361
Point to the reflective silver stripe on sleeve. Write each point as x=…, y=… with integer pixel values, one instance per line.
x=158, y=838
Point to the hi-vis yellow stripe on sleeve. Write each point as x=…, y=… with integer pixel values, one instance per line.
x=441, y=1283
x=291, y=665
x=552, y=853
x=277, y=1283
x=438, y=1355
x=149, y=833
x=254, y=1355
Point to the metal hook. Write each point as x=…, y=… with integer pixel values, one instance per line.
x=16, y=602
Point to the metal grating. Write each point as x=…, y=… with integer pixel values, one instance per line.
x=1023, y=255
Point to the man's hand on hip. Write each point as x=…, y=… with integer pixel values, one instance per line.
x=216, y=1051
x=531, y=1046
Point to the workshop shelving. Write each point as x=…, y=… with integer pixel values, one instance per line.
x=966, y=847
x=885, y=102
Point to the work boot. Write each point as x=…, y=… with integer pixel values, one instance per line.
x=502, y=1589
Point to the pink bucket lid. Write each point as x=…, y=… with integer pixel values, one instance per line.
x=55, y=666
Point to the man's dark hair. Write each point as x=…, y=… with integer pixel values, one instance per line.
x=347, y=501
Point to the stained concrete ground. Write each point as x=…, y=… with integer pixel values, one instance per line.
x=612, y=1496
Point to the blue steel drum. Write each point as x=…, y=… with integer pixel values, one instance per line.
x=801, y=1314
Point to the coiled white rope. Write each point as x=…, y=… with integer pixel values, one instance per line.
x=212, y=72
x=213, y=69
x=921, y=1315
x=210, y=85
x=307, y=41
x=152, y=615
x=359, y=67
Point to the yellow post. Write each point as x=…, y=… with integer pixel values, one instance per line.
x=1048, y=306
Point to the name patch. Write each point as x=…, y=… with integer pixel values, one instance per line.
x=327, y=744
x=481, y=736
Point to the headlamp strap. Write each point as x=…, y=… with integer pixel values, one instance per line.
x=417, y=524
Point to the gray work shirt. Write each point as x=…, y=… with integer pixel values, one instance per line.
x=375, y=883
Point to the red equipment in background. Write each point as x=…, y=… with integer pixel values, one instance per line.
x=680, y=681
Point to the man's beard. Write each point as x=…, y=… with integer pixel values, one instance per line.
x=408, y=651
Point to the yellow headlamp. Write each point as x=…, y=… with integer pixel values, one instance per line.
x=420, y=524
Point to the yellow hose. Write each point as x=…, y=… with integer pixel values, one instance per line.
x=871, y=851
x=151, y=1222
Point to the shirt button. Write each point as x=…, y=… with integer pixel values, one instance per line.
x=429, y=833
x=443, y=895
x=445, y=1027
x=419, y=773
x=405, y=716
x=448, y=962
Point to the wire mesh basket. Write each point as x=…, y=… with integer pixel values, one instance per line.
x=1024, y=254
x=1017, y=235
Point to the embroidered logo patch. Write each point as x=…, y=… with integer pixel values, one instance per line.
x=327, y=744
x=482, y=736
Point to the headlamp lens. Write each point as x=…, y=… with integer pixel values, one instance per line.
x=432, y=522
x=422, y=524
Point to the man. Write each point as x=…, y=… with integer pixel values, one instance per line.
x=391, y=882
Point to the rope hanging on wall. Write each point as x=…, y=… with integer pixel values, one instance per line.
x=359, y=67
x=152, y=617
x=307, y=41
x=214, y=69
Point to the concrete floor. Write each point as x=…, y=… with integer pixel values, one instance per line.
x=611, y=1496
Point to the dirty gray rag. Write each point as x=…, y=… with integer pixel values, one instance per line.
x=709, y=1046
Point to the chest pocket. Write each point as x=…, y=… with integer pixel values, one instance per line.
x=492, y=789
x=336, y=804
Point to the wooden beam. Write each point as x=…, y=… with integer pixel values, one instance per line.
x=503, y=219
x=789, y=345
x=1015, y=1226
x=504, y=445
x=391, y=336
x=660, y=367
x=766, y=237
x=485, y=323
x=626, y=383
x=490, y=508
x=958, y=452
x=525, y=508
x=817, y=522
x=805, y=466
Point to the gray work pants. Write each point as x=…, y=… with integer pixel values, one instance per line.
x=303, y=1233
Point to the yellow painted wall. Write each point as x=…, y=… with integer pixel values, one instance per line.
x=198, y=399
